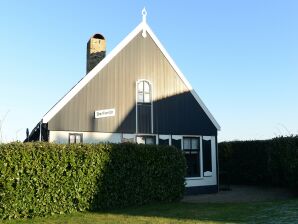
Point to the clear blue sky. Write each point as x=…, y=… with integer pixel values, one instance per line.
x=240, y=56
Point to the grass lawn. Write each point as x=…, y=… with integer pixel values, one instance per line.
x=261, y=212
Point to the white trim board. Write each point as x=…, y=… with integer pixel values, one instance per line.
x=141, y=27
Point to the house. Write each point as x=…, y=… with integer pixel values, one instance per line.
x=137, y=93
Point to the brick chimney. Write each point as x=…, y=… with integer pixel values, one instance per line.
x=96, y=51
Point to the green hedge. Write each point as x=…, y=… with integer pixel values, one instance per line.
x=261, y=162
x=38, y=179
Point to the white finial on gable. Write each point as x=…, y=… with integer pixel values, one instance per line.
x=144, y=14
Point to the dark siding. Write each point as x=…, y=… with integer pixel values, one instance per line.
x=180, y=114
x=175, y=109
x=144, y=118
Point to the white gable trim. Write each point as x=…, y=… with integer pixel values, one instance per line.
x=141, y=27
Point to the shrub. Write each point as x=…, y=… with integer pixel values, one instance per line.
x=261, y=162
x=284, y=162
x=37, y=179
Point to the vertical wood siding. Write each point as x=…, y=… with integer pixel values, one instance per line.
x=175, y=109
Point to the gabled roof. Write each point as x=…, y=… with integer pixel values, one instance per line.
x=143, y=26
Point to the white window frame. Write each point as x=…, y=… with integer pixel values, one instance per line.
x=75, y=137
x=151, y=102
x=144, y=92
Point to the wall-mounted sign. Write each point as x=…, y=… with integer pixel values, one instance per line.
x=104, y=113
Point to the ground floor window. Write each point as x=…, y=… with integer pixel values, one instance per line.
x=146, y=139
x=75, y=138
x=207, y=156
x=197, y=150
x=191, y=148
x=164, y=140
x=177, y=141
x=128, y=138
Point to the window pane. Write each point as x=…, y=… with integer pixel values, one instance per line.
x=207, y=162
x=140, y=140
x=193, y=165
x=150, y=140
x=71, y=139
x=194, y=143
x=128, y=140
x=78, y=138
x=146, y=87
x=176, y=143
x=147, y=98
x=186, y=143
x=144, y=92
x=140, y=97
x=140, y=87
x=163, y=141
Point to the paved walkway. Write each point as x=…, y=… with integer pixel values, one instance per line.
x=243, y=194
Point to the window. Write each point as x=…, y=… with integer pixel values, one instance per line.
x=191, y=148
x=176, y=141
x=128, y=138
x=144, y=92
x=75, y=138
x=207, y=161
x=148, y=140
x=144, y=107
x=164, y=140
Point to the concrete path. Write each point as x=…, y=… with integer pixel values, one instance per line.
x=242, y=194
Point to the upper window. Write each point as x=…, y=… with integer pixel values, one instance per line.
x=144, y=92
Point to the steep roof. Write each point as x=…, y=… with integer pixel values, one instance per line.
x=143, y=26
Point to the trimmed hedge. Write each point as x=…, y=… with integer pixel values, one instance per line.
x=38, y=179
x=261, y=162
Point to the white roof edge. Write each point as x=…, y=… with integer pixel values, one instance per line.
x=181, y=75
x=142, y=26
